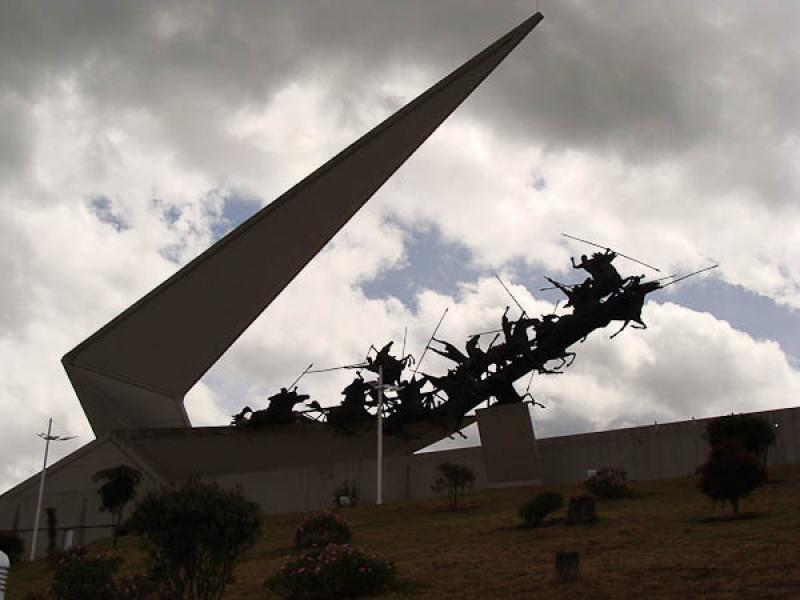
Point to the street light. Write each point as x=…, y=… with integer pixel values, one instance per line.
x=379, y=474
x=48, y=437
x=381, y=388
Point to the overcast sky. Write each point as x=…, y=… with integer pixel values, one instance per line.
x=134, y=134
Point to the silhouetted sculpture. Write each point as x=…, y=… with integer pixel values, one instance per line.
x=474, y=362
x=581, y=297
x=281, y=405
x=450, y=352
x=278, y=412
x=479, y=375
x=351, y=416
x=605, y=278
x=629, y=301
x=392, y=367
x=240, y=418
x=410, y=404
x=463, y=394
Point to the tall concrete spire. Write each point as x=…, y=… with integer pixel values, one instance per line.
x=135, y=371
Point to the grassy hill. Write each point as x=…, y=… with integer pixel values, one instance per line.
x=668, y=542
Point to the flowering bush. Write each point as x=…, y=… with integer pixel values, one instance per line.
x=322, y=529
x=79, y=576
x=608, y=482
x=134, y=587
x=337, y=571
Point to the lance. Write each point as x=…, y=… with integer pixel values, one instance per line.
x=485, y=332
x=354, y=366
x=530, y=381
x=405, y=333
x=433, y=335
x=524, y=312
x=636, y=260
x=666, y=277
x=555, y=287
x=299, y=377
x=689, y=275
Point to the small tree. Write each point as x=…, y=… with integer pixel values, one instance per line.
x=730, y=473
x=754, y=433
x=118, y=490
x=453, y=480
x=194, y=535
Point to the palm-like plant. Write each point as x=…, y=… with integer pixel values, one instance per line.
x=118, y=489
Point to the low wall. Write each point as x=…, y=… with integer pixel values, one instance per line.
x=654, y=451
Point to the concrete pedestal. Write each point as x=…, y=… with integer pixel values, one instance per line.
x=509, y=445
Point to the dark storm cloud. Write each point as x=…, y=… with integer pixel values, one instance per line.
x=705, y=83
x=647, y=80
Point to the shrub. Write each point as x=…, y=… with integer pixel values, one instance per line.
x=134, y=587
x=322, y=529
x=453, y=480
x=534, y=511
x=337, y=571
x=12, y=545
x=754, y=433
x=193, y=535
x=608, y=482
x=730, y=473
x=80, y=576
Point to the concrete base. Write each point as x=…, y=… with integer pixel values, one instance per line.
x=509, y=446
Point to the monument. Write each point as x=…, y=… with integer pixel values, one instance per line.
x=135, y=371
x=131, y=376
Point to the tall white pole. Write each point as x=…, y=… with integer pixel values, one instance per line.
x=41, y=491
x=380, y=436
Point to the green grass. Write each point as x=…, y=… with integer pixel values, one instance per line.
x=669, y=541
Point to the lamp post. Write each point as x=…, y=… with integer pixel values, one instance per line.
x=48, y=438
x=380, y=437
x=5, y=565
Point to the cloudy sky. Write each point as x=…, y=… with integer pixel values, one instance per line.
x=134, y=134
